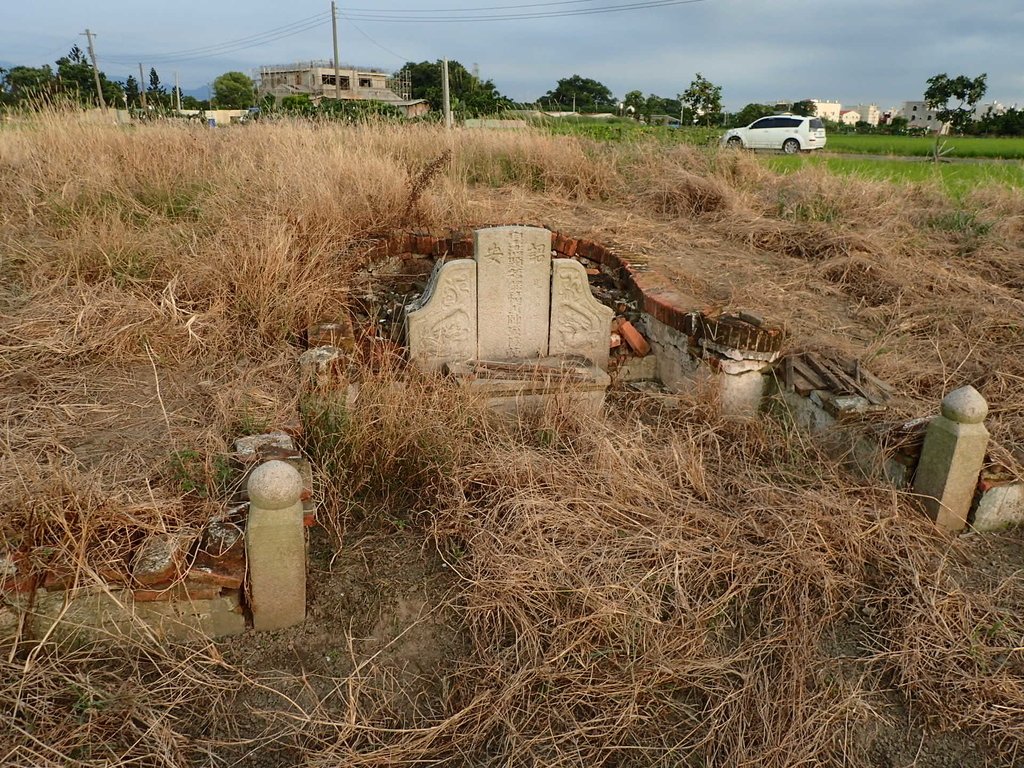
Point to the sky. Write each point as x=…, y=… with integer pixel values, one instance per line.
x=852, y=51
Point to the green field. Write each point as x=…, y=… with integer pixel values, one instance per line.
x=956, y=178
x=618, y=129
x=922, y=146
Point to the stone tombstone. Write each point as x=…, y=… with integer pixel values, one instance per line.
x=513, y=269
x=441, y=326
x=580, y=324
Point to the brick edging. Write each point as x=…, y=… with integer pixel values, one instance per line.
x=655, y=294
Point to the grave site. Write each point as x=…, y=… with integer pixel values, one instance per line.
x=375, y=445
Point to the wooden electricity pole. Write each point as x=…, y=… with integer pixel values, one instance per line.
x=446, y=95
x=95, y=70
x=337, y=64
x=142, y=88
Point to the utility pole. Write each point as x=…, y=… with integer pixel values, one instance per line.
x=337, y=64
x=95, y=70
x=142, y=87
x=177, y=92
x=445, y=94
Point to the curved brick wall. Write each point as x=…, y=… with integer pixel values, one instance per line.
x=655, y=293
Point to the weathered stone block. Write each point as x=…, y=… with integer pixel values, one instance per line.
x=442, y=325
x=513, y=292
x=1000, y=507
x=580, y=324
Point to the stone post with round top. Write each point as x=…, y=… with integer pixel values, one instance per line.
x=275, y=547
x=952, y=458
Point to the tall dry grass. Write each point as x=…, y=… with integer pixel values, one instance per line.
x=660, y=588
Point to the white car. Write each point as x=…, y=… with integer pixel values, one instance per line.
x=790, y=133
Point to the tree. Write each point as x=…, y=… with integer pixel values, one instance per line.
x=704, y=98
x=233, y=90
x=898, y=124
x=156, y=94
x=20, y=84
x=634, y=100
x=76, y=80
x=588, y=95
x=750, y=113
x=470, y=96
x=659, y=105
x=954, y=99
x=805, y=108
x=131, y=92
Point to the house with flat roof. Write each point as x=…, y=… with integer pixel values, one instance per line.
x=919, y=116
x=320, y=80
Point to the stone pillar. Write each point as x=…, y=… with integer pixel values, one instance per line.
x=952, y=457
x=275, y=547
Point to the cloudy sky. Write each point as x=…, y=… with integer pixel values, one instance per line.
x=857, y=51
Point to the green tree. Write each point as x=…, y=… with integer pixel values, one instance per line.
x=233, y=90
x=470, y=96
x=805, y=108
x=659, y=105
x=588, y=95
x=898, y=124
x=636, y=101
x=131, y=92
x=74, y=72
x=750, y=113
x=704, y=99
x=954, y=99
x=19, y=84
x=156, y=94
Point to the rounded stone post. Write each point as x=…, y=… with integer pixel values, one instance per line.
x=952, y=458
x=275, y=547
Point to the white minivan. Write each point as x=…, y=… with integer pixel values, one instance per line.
x=790, y=133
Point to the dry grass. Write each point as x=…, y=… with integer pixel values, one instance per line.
x=658, y=588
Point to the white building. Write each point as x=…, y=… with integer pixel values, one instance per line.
x=920, y=117
x=827, y=110
x=869, y=113
x=849, y=116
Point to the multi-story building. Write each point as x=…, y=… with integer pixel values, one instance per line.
x=849, y=116
x=920, y=117
x=869, y=113
x=319, y=80
x=827, y=110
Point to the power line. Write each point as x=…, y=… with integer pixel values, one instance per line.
x=393, y=17
x=473, y=10
x=240, y=44
x=359, y=29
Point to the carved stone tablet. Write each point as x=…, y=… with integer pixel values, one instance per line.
x=441, y=327
x=580, y=324
x=514, y=292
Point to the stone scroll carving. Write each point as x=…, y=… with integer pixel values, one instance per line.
x=441, y=326
x=580, y=324
x=511, y=302
x=514, y=292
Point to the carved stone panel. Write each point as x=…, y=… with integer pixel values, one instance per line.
x=514, y=292
x=580, y=324
x=441, y=327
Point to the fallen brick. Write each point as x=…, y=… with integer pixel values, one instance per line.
x=180, y=590
x=633, y=338
x=217, y=576
x=15, y=576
